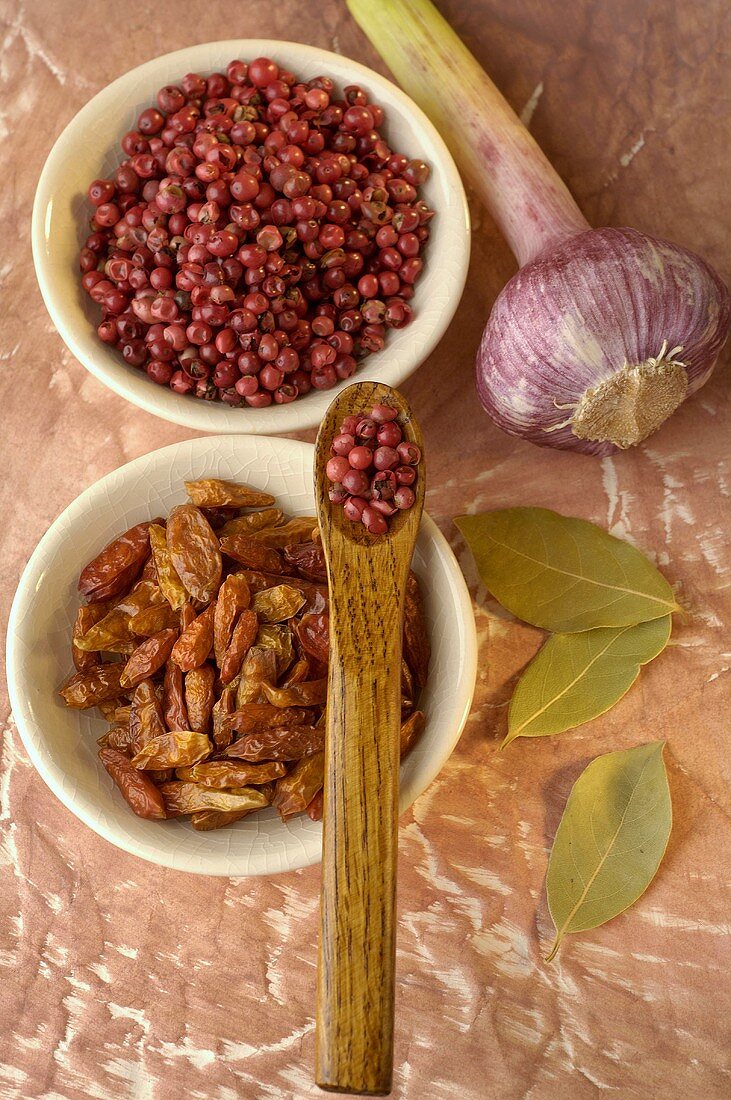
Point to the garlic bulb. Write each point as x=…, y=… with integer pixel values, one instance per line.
x=602, y=333
x=593, y=345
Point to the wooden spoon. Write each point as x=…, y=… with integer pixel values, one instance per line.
x=367, y=575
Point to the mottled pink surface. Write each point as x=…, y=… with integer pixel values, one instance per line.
x=123, y=980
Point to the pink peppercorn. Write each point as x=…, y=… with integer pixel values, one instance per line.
x=385, y=458
x=343, y=444
x=337, y=468
x=353, y=508
x=373, y=521
x=404, y=497
x=360, y=457
x=409, y=454
x=356, y=482
x=389, y=435
x=405, y=475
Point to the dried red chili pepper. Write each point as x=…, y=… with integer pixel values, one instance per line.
x=223, y=774
x=87, y=616
x=172, y=749
x=253, y=522
x=213, y=492
x=274, y=605
x=242, y=639
x=417, y=649
x=287, y=535
x=194, y=552
x=307, y=694
x=170, y=583
x=189, y=798
x=308, y=559
x=222, y=708
x=295, y=791
x=246, y=550
x=96, y=685
x=140, y=793
x=258, y=671
x=411, y=731
x=259, y=716
x=118, y=737
x=146, y=717
x=313, y=632
x=117, y=566
x=234, y=596
x=196, y=642
x=173, y=698
x=199, y=697
x=149, y=656
x=284, y=743
x=314, y=810
x=154, y=619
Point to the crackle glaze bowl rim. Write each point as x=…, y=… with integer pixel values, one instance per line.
x=85, y=150
x=61, y=742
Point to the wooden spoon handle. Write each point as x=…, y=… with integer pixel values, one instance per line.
x=354, y=1050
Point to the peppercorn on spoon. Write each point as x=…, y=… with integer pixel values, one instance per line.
x=367, y=575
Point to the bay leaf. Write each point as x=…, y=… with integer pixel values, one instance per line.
x=610, y=840
x=564, y=574
x=576, y=677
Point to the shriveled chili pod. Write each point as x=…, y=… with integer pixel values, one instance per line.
x=295, y=791
x=146, y=715
x=199, y=697
x=411, y=731
x=173, y=698
x=194, y=552
x=86, y=617
x=94, y=686
x=224, y=774
x=306, y=694
x=213, y=492
x=242, y=639
x=120, y=562
x=234, y=596
x=248, y=551
x=252, y=522
x=172, y=749
x=170, y=583
x=148, y=657
x=279, y=743
x=308, y=559
x=140, y=793
x=194, y=645
x=417, y=649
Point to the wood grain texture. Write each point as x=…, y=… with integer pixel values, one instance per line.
x=119, y=979
x=367, y=576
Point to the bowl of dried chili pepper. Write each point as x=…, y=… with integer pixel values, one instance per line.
x=225, y=234
x=168, y=649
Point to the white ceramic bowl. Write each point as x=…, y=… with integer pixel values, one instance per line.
x=89, y=147
x=62, y=742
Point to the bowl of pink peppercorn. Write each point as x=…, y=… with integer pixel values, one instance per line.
x=227, y=234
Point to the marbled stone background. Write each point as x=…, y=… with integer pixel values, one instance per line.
x=121, y=980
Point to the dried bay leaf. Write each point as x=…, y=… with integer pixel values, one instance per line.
x=564, y=574
x=577, y=677
x=610, y=840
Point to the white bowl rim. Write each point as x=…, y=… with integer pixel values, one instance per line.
x=463, y=690
x=308, y=411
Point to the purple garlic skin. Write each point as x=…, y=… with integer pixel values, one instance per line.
x=593, y=344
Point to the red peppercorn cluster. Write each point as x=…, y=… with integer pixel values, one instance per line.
x=373, y=468
x=260, y=238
